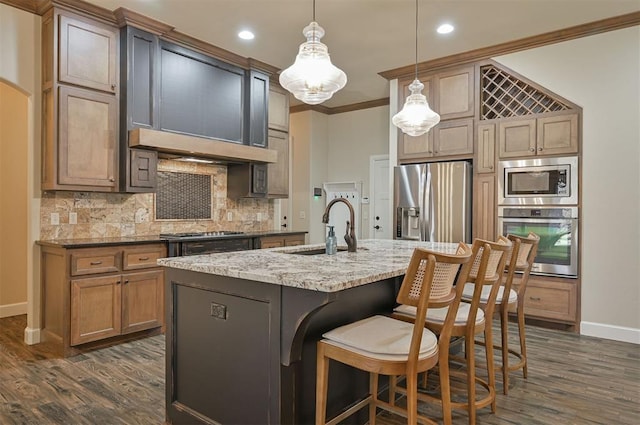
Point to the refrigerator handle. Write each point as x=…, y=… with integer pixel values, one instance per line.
x=425, y=222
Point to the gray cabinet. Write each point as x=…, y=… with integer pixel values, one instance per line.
x=258, y=104
x=138, y=107
x=200, y=96
x=278, y=172
x=247, y=180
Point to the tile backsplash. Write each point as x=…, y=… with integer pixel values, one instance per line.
x=117, y=214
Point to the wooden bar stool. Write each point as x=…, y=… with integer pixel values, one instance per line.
x=520, y=262
x=387, y=346
x=486, y=272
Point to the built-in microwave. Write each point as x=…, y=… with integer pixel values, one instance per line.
x=540, y=181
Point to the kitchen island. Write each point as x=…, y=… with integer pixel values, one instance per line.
x=242, y=327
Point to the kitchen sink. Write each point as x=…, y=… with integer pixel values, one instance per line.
x=316, y=251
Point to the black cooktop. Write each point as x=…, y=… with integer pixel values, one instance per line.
x=199, y=234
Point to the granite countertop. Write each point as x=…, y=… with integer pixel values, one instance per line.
x=145, y=239
x=374, y=260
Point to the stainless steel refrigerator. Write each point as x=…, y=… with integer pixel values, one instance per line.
x=433, y=201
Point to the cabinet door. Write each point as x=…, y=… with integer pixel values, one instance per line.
x=258, y=104
x=271, y=242
x=88, y=54
x=486, y=148
x=200, y=96
x=95, y=309
x=278, y=173
x=453, y=138
x=279, y=109
x=557, y=135
x=143, y=170
x=140, y=78
x=410, y=147
x=259, y=179
x=142, y=301
x=454, y=93
x=294, y=240
x=87, y=139
x=517, y=138
x=484, y=200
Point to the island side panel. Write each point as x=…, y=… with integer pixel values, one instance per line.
x=223, y=349
x=306, y=315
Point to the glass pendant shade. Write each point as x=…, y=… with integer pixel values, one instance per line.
x=416, y=117
x=313, y=78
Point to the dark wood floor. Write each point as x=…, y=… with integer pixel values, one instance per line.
x=572, y=380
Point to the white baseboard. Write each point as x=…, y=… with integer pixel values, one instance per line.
x=9, y=310
x=31, y=336
x=616, y=333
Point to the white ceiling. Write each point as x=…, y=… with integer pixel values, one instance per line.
x=366, y=37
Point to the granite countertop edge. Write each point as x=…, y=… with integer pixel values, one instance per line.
x=374, y=260
x=148, y=239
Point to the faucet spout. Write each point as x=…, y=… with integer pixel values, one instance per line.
x=350, y=233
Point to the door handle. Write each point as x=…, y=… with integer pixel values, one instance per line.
x=284, y=225
x=376, y=227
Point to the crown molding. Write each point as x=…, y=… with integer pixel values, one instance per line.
x=571, y=33
x=126, y=17
x=26, y=5
x=340, y=109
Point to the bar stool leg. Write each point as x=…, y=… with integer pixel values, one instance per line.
x=322, y=376
x=504, y=327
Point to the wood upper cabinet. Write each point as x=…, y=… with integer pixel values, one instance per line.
x=454, y=93
x=410, y=147
x=454, y=137
x=278, y=173
x=486, y=149
x=88, y=53
x=547, y=135
x=87, y=148
x=278, y=108
x=80, y=96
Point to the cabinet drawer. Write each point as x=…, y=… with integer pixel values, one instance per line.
x=93, y=261
x=142, y=257
x=551, y=300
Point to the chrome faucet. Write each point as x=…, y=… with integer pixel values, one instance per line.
x=350, y=233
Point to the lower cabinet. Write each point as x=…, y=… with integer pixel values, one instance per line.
x=552, y=299
x=281, y=240
x=101, y=295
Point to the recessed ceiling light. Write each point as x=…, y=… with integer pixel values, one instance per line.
x=445, y=29
x=246, y=35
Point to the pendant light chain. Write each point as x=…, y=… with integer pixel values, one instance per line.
x=416, y=39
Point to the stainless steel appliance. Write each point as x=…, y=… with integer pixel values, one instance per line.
x=558, y=231
x=195, y=243
x=433, y=201
x=540, y=181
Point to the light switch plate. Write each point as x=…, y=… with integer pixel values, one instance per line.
x=303, y=215
x=229, y=216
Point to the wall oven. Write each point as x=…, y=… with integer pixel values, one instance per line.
x=540, y=181
x=558, y=231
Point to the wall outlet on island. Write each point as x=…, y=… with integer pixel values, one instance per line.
x=229, y=216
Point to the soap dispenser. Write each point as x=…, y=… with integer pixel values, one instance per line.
x=332, y=242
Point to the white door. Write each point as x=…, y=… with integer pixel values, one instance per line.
x=281, y=215
x=380, y=198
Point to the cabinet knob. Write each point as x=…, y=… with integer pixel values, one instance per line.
x=111, y=179
x=491, y=167
x=113, y=86
x=126, y=281
x=539, y=149
x=532, y=149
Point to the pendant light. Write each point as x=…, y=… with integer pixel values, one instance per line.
x=313, y=78
x=416, y=117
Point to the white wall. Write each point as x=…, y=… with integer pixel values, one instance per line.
x=353, y=138
x=601, y=73
x=20, y=66
x=333, y=148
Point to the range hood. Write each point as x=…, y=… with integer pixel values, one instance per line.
x=200, y=147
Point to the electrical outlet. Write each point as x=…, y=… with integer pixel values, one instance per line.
x=73, y=218
x=259, y=216
x=302, y=215
x=229, y=216
x=55, y=219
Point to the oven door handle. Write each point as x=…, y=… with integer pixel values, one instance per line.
x=538, y=220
